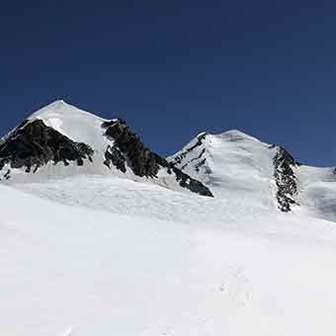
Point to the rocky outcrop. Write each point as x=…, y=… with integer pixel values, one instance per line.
x=128, y=150
x=193, y=158
x=185, y=180
x=285, y=179
x=33, y=144
x=114, y=156
x=178, y=159
x=127, y=147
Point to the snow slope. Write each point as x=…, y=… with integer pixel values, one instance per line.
x=318, y=191
x=79, y=125
x=232, y=164
x=237, y=166
x=213, y=270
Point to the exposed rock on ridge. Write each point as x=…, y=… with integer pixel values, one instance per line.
x=179, y=158
x=285, y=179
x=33, y=144
x=198, y=162
x=127, y=149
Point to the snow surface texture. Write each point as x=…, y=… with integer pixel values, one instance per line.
x=158, y=262
x=99, y=254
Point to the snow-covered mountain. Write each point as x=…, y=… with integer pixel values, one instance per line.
x=100, y=236
x=232, y=164
x=61, y=140
x=236, y=165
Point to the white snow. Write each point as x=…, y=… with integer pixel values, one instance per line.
x=317, y=191
x=88, y=253
x=77, y=124
x=140, y=265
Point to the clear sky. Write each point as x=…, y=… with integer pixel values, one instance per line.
x=173, y=68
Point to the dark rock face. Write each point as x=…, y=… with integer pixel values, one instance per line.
x=128, y=148
x=185, y=180
x=113, y=155
x=285, y=179
x=198, y=162
x=33, y=144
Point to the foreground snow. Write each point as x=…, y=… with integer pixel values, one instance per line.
x=120, y=257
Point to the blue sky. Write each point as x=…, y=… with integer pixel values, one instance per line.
x=175, y=68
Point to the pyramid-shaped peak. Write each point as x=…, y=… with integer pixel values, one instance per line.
x=75, y=123
x=61, y=109
x=58, y=105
